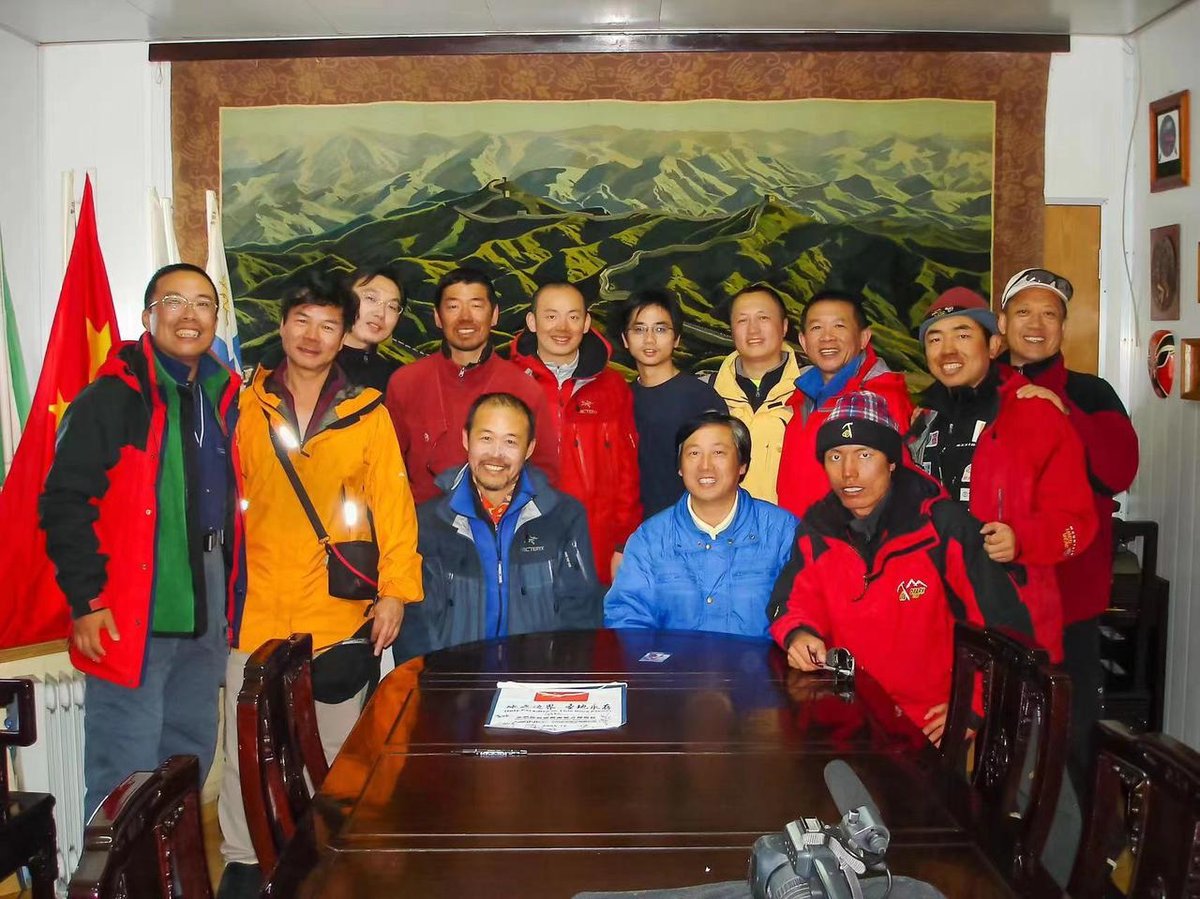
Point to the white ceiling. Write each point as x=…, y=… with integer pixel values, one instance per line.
x=58, y=21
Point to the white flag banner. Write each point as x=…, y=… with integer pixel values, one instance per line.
x=227, y=345
x=164, y=249
x=14, y=386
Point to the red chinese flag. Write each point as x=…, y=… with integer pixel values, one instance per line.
x=32, y=608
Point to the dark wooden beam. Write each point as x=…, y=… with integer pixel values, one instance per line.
x=616, y=42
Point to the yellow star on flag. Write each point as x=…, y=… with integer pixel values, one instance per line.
x=99, y=343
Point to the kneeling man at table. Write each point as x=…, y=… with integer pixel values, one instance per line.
x=503, y=552
x=708, y=562
x=884, y=565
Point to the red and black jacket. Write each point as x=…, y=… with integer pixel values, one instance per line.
x=1111, y=445
x=595, y=439
x=892, y=599
x=1028, y=471
x=99, y=507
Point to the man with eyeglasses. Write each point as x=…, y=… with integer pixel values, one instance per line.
x=650, y=323
x=428, y=399
x=140, y=514
x=341, y=454
x=591, y=409
x=1033, y=316
x=380, y=304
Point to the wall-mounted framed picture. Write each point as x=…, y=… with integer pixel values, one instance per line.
x=1169, y=150
x=1189, y=368
x=1164, y=273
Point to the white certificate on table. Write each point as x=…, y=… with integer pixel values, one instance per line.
x=557, y=708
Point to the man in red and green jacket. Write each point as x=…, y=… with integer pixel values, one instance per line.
x=884, y=565
x=1004, y=452
x=591, y=411
x=1033, y=317
x=143, y=527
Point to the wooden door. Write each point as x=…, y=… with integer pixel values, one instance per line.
x=1072, y=249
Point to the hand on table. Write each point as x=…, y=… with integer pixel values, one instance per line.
x=806, y=651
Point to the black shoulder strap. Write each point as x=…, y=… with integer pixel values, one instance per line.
x=301, y=493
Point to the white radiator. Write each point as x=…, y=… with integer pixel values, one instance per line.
x=54, y=764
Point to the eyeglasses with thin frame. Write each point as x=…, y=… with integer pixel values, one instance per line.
x=643, y=331
x=374, y=300
x=173, y=302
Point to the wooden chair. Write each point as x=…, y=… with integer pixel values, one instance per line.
x=1145, y=819
x=1010, y=771
x=27, y=834
x=146, y=839
x=278, y=743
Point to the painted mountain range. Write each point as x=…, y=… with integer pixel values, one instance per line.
x=898, y=218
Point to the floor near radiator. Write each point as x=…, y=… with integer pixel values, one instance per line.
x=212, y=849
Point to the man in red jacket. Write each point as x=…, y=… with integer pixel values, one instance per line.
x=1006, y=453
x=836, y=338
x=1033, y=316
x=591, y=409
x=428, y=400
x=884, y=565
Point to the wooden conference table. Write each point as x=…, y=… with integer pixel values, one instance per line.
x=722, y=744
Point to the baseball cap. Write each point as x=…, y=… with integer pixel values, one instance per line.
x=1037, y=277
x=959, y=301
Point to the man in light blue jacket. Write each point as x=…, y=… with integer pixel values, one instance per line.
x=709, y=562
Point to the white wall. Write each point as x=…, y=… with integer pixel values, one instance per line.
x=1168, y=486
x=1089, y=113
x=102, y=109
x=20, y=160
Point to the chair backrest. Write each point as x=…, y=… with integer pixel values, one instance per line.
x=278, y=743
x=146, y=839
x=1010, y=772
x=1145, y=819
x=17, y=692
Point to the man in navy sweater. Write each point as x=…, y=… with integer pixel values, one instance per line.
x=650, y=323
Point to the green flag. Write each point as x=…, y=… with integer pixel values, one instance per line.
x=14, y=384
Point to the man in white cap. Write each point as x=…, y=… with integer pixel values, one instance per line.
x=1033, y=316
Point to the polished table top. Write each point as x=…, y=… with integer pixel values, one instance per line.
x=722, y=744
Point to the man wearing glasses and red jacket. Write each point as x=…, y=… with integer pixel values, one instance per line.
x=1033, y=315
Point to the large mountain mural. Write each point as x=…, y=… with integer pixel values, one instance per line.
x=898, y=213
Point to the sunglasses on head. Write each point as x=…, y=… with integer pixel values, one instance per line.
x=1043, y=277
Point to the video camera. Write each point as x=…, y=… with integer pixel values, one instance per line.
x=811, y=860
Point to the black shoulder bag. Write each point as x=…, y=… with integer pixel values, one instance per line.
x=353, y=565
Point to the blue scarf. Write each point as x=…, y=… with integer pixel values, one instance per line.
x=813, y=385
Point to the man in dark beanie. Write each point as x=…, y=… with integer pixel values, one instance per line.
x=1004, y=452
x=884, y=565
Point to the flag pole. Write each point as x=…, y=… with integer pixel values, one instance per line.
x=68, y=213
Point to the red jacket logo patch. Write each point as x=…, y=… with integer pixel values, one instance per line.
x=586, y=407
x=911, y=589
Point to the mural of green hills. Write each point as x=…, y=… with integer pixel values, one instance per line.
x=891, y=199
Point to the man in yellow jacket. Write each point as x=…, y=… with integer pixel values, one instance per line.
x=757, y=380
x=340, y=443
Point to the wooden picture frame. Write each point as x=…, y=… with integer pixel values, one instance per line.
x=1189, y=368
x=1170, y=150
x=1164, y=273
